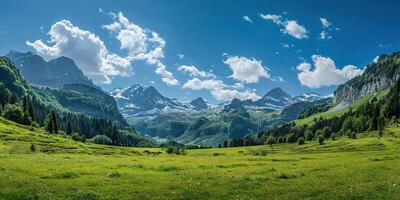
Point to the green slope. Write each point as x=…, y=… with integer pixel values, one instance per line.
x=354, y=105
x=366, y=168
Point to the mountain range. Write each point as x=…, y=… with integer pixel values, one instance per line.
x=198, y=122
x=61, y=84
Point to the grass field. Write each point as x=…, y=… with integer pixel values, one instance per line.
x=364, y=168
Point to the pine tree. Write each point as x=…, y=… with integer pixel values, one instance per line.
x=225, y=144
x=54, y=122
x=49, y=124
x=69, y=128
x=30, y=109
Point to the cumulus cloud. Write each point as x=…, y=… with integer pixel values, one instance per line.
x=325, y=72
x=229, y=94
x=141, y=44
x=86, y=49
x=247, y=18
x=193, y=71
x=290, y=27
x=246, y=70
x=277, y=19
x=197, y=84
x=221, y=91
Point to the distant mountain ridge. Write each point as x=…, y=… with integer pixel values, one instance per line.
x=197, y=122
x=54, y=73
x=139, y=100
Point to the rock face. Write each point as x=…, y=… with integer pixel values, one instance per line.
x=199, y=104
x=55, y=73
x=139, y=100
x=275, y=99
x=378, y=76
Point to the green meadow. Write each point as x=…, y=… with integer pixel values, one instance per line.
x=36, y=165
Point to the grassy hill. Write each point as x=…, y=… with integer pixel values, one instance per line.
x=354, y=105
x=59, y=168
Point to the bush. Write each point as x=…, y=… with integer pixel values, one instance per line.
x=280, y=140
x=101, y=139
x=13, y=113
x=33, y=148
x=175, y=150
x=309, y=135
x=348, y=133
x=333, y=137
x=271, y=140
x=321, y=139
x=353, y=135
x=78, y=137
x=300, y=141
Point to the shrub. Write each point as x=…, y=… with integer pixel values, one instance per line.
x=13, y=113
x=333, y=136
x=33, y=148
x=321, y=140
x=271, y=140
x=175, y=150
x=300, y=141
x=78, y=137
x=353, y=135
x=101, y=139
x=348, y=133
x=309, y=135
x=169, y=150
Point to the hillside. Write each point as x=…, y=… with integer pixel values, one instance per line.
x=79, y=109
x=377, y=76
x=365, y=168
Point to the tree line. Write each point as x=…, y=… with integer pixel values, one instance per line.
x=371, y=116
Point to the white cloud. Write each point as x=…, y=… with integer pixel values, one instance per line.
x=290, y=27
x=197, y=84
x=229, y=94
x=221, y=91
x=327, y=28
x=324, y=35
x=141, y=44
x=86, y=49
x=247, y=18
x=180, y=56
x=193, y=71
x=325, y=73
x=277, y=79
x=285, y=45
x=246, y=70
x=296, y=30
x=277, y=19
x=166, y=76
x=325, y=23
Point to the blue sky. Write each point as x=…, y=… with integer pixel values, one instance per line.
x=233, y=56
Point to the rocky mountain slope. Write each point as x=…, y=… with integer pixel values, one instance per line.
x=54, y=73
x=141, y=101
x=197, y=122
x=379, y=75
